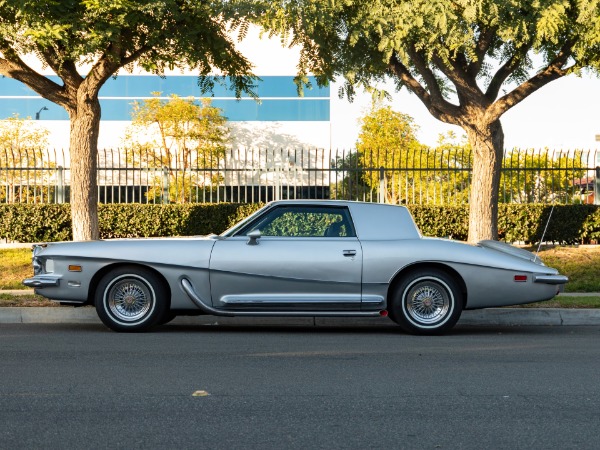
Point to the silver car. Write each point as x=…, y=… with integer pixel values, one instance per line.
x=295, y=258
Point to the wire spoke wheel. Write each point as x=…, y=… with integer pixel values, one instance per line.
x=131, y=298
x=426, y=301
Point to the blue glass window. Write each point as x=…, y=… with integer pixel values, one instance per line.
x=279, y=100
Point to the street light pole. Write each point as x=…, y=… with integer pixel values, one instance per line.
x=37, y=114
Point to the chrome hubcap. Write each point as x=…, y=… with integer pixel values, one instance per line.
x=129, y=299
x=427, y=302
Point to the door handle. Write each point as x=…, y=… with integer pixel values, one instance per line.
x=349, y=252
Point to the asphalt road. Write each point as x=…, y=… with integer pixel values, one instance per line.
x=82, y=386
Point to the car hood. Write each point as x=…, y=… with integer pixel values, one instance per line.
x=180, y=250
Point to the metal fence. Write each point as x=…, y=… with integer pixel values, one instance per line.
x=427, y=176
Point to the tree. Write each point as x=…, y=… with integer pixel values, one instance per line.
x=468, y=61
x=413, y=172
x=387, y=139
x=85, y=42
x=181, y=136
x=350, y=179
x=21, y=142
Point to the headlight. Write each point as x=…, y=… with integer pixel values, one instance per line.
x=40, y=264
x=37, y=266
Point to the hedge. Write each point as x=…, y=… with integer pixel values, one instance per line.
x=49, y=223
x=570, y=224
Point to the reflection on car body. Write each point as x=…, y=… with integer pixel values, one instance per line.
x=295, y=258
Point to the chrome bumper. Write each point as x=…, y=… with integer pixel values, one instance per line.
x=42, y=281
x=550, y=279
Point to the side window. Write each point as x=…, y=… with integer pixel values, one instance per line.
x=304, y=221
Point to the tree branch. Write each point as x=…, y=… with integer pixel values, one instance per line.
x=13, y=66
x=553, y=71
x=435, y=104
x=65, y=69
x=505, y=71
x=483, y=44
x=134, y=56
x=109, y=63
x=466, y=88
x=432, y=84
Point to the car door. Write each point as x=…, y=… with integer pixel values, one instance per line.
x=307, y=258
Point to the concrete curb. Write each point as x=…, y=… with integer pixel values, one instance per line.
x=491, y=316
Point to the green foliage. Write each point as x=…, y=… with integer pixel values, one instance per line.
x=35, y=223
x=17, y=134
x=387, y=139
x=137, y=220
x=441, y=43
x=49, y=223
x=157, y=35
x=351, y=178
x=569, y=224
x=384, y=129
x=535, y=178
x=414, y=173
x=449, y=221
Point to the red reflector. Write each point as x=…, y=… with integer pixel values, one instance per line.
x=383, y=313
x=520, y=277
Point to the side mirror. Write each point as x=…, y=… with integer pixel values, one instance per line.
x=253, y=237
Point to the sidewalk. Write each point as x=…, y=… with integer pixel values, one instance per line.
x=481, y=317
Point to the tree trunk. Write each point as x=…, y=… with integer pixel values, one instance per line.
x=83, y=146
x=487, y=141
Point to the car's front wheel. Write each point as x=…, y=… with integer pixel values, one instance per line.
x=131, y=299
x=427, y=301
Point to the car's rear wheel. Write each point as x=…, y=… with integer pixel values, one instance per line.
x=427, y=301
x=131, y=299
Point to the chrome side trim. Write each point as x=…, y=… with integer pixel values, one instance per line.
x=373, y=300
x=190, y=291
x=550, y=279
x=269, y=299
x=42, y=281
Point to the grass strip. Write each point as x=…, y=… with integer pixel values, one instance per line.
x=15, y=266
